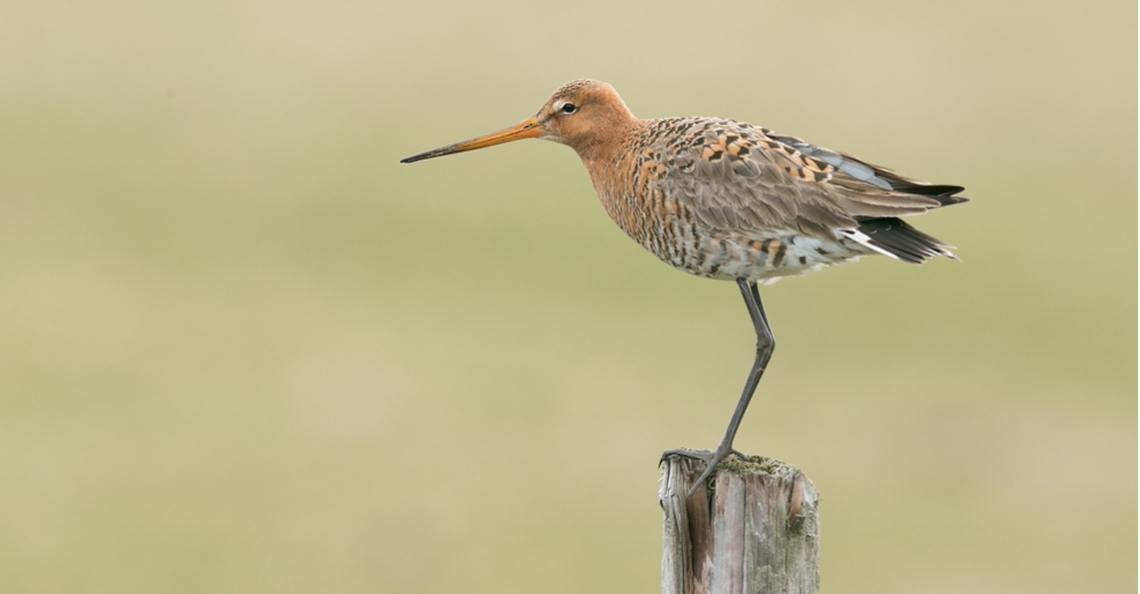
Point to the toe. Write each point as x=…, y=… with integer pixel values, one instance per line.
x=702, y=455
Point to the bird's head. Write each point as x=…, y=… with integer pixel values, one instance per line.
x=580, y=114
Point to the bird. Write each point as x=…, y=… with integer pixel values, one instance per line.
x=727, y=200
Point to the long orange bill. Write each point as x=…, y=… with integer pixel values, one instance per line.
x=525, y=129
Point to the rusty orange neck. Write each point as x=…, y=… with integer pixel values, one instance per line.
x=608, y=144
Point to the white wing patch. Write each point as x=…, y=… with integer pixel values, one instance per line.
x=864, y=240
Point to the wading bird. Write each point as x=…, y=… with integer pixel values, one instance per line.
x=728, y=200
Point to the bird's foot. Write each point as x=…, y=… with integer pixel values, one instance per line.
x=704, y=455
x=711, y=459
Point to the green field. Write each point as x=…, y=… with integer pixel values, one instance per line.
x=243, y=349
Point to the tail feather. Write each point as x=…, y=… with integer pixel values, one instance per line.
x=893, y=237
x=945, y=195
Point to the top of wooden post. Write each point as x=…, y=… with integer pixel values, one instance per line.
x=756, y=531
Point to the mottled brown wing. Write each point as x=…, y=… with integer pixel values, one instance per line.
x=739, y=178
x=873, y=174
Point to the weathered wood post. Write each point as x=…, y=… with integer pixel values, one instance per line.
x=756, y=533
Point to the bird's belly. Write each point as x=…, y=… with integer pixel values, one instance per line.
x=772, y=257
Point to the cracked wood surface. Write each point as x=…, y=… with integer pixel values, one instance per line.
x=755, y=532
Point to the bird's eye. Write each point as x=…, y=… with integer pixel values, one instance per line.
x=569, y=108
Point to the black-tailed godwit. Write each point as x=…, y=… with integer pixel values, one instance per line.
x=728, y=200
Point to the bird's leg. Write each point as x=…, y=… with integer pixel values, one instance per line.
x=765, y=344
x=755, y=290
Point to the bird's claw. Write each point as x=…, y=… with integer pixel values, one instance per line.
x=702, y=455
x=711, y=460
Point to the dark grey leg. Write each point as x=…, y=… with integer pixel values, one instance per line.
x=765, y=344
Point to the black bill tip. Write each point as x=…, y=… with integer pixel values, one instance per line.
x=437, y=152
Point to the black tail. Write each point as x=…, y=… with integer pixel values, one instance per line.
x=945, y=195
x=902, y=240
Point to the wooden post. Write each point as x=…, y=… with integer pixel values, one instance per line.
x=756, y=533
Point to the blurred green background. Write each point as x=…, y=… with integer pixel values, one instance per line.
x=242, y=349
